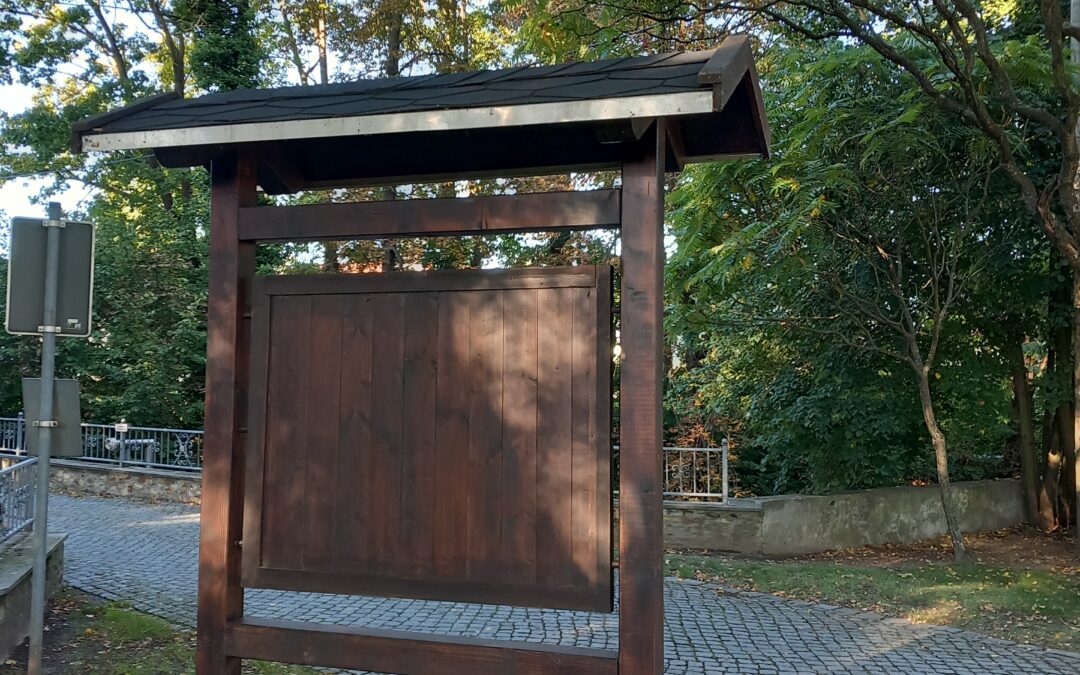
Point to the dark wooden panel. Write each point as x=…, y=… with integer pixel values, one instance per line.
x=546, y=211
x=354, y=429
x=450, y=549
x=554, y=451
x=418, y=488
x=405, y=652
x=641, y=588
x=286, y=458
x=442, y=436
x=384, y=482
x=520, y=432
x=232, y=266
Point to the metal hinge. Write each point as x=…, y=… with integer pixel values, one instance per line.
x=44, y=423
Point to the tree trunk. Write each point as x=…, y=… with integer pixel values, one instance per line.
x=941, y=457
x=1075, y=474
x=1050, y=468
x=1029, y=461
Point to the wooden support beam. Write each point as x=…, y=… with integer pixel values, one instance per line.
x=546, y=211
x=641, y=588
x=393, y=651
x=232, y=267
x=676, y=146
x=278, y=173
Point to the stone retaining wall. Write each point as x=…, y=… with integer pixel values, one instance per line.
x=84, y=478
x=774, y=526
x=16, y=565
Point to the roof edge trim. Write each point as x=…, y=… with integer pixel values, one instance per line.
x=654, y=105
x=86, y=126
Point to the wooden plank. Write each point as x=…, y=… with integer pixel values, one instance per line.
x=553, y=456
x=323, y=420
x=431, y=281
x=605, y=349
x=255, y=463
x=585, y=458
x=384, y=483
x=452, y=451
x=641, y=599
x=418, y=492
x=520, y=433
x=406, y=652
x=232, y=266
x=484, y=526
x=286, y=453
x=354, y=431
x=498, y=214
x=387, y=584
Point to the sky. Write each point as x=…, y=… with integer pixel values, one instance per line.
x=16, y=195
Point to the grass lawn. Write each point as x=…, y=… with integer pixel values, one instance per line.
x=1038, y=606
x=88, y=636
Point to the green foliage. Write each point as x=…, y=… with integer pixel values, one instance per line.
x=225, y=53
x=780, y=292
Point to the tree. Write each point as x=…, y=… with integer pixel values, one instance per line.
x=225, y=53
x=872, y=212
x=1001, y=69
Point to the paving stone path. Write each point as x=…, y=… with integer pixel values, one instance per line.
x=146, y=555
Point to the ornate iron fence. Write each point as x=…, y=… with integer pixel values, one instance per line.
x=123, y=444
x=17, y=484
x=12, y=433
x=143, y=446
x=693, y=473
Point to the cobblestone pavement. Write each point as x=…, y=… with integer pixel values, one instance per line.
x=146, y=555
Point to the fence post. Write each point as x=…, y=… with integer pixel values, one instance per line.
x=724, y=445
x=20, y=432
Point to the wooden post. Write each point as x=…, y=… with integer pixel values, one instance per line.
x=232, y=266
x=641, y=589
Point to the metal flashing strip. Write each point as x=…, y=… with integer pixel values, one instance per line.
x=662, y=105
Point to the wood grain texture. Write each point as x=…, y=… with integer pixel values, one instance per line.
x=641, y=599
x=405, y=652
x=438, y=435
x=232, y=266
x=503, y=214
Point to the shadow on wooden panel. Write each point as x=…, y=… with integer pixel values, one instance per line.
x=436, y=435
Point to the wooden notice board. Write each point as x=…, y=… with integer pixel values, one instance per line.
x=440, y=435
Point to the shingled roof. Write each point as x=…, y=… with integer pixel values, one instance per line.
x=568, y=108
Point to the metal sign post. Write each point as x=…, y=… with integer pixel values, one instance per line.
x=49, y=330
x=61, y=254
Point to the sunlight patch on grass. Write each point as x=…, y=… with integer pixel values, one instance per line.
x=1037, y=606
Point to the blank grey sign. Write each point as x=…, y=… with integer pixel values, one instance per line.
x=26, y=278
x=67, y=435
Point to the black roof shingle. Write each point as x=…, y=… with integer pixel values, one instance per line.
x=611, y=78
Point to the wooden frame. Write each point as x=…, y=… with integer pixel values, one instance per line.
x=224, y=636
x=502, y=214
x=328, y=351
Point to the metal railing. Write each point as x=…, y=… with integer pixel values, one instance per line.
x=122, y=444
x=689, y=473
x=143, y=446
x=12, y=433
x=17, y=484
x=696, y=473
x=693, y=473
